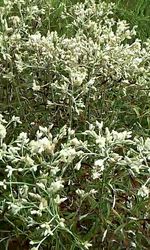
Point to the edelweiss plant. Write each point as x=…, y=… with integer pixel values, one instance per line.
x=52, y=186
x=87, y=72
x=80, y=182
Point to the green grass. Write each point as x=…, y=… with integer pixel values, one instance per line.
x=136, y=12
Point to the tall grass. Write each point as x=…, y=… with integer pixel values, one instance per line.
x=136, y=12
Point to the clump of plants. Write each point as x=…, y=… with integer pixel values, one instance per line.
x=74, y=125
x=95, y=68
x=75, y=191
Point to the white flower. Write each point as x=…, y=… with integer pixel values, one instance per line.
x=35, y=38
x=43, y=129
x=47, y=145
x=2, y=131
x=28, y=160
x=86, y=245
x=34, y=168
x=75, y=142
x=10, y=170
x=77, y=77
x=78, y=166
x=99, y=125
x=13, y=150
x=16, y=119
x=101, y=141
x=121, y=136
x=1, y=119
x=59, y=200
x=47, y=228
x=35, y=87
x=99, y=163
x=80, y=192
x=136, y=165
x=15, y=20
x=56, y=186
x=43, y=204
x=23, y=191
x=67, y=154
x=39, y=134
x=95, y=174
x=36, y=212
x=61, y=222
x=15, y=208
x=147, y=144
x=35, y=147
x=23, y=138
x=144, y=192
x=42, y=145
x=93, y=191
x=115, y=157
x=91, y=127
x=3, y=184
x=54, y=170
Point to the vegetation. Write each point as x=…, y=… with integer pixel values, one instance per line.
x=74, y=126
x=136, y=12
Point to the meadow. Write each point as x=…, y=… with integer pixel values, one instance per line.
x=74, y=125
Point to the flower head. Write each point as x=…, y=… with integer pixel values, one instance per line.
x=2, y=131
